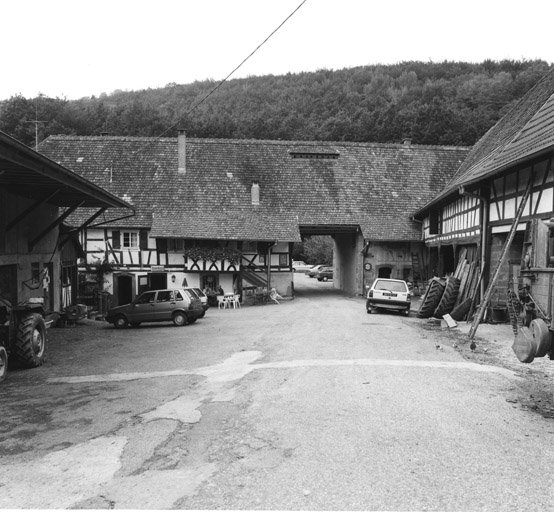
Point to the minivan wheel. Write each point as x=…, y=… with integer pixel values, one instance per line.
x=120, y=322
x=179, y=319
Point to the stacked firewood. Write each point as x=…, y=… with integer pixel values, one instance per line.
x=468, y=272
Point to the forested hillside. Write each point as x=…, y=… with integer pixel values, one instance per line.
x=432, y=103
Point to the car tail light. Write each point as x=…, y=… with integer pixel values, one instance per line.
x=370, y=294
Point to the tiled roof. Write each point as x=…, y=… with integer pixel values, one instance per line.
x=376, y=186
x=525, y=131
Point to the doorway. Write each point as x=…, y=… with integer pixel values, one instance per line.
x=385, y=272
x=124, y=289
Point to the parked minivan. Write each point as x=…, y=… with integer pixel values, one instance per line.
x=181, y=306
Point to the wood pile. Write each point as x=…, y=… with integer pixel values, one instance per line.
x=468, y=273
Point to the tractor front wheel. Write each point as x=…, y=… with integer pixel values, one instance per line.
x=30, y=346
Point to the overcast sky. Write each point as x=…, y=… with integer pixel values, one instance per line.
x=76, y=48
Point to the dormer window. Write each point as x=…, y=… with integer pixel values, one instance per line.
x=328, y=155
x=255, y=193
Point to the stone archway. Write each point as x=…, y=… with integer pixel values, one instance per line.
x=347, y=254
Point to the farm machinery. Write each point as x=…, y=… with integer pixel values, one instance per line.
x=23, y=334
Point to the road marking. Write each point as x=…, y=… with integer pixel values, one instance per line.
x=240, y=364
x=86, y=473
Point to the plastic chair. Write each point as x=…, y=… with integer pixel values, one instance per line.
x=221, y=302
x=236, y=301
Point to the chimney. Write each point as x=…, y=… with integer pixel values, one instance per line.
x=182, y=152
x=255, y=192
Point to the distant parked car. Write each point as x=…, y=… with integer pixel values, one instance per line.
x=313, y=271
x=389, y=294
x=324, y=274
x=203, y=299
x=181, y=306
x=300, y=266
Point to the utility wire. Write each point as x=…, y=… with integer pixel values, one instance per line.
x=194, y=107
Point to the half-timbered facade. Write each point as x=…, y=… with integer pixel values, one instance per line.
x=504, y=189
x=225, y=213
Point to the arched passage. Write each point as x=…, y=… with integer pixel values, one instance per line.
x=347, y=254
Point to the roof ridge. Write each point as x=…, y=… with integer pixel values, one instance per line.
x=276, y=142
x=500, y=149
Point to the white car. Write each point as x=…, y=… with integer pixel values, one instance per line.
x=300, y=266
x=389, y=294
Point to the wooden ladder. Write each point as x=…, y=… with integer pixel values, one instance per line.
x=416, y=272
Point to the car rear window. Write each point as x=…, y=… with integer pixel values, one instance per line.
x=393, y=286
x=178, y=295
x=189, y=294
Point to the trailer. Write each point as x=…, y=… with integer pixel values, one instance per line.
x=530, y=297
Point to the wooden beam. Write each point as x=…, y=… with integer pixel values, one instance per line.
x=53, y=225
x=505, y=249
x=26, y=212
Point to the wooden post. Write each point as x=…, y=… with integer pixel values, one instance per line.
x=503, y=254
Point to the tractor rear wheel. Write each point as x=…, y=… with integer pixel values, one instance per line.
x=3, y=363
x=30, y=345
x=449, y=296
x=431, y=298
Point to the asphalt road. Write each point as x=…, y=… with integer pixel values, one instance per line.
x=308, y=405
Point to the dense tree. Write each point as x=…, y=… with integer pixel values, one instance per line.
x=314, y=250
x=451, y=103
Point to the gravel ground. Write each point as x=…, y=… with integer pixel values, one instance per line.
x=535, y=391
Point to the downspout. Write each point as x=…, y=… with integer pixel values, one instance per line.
x=484, y=229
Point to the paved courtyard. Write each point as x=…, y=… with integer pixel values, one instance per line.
x=308, y=405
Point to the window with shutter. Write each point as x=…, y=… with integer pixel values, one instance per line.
x=130, y=240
